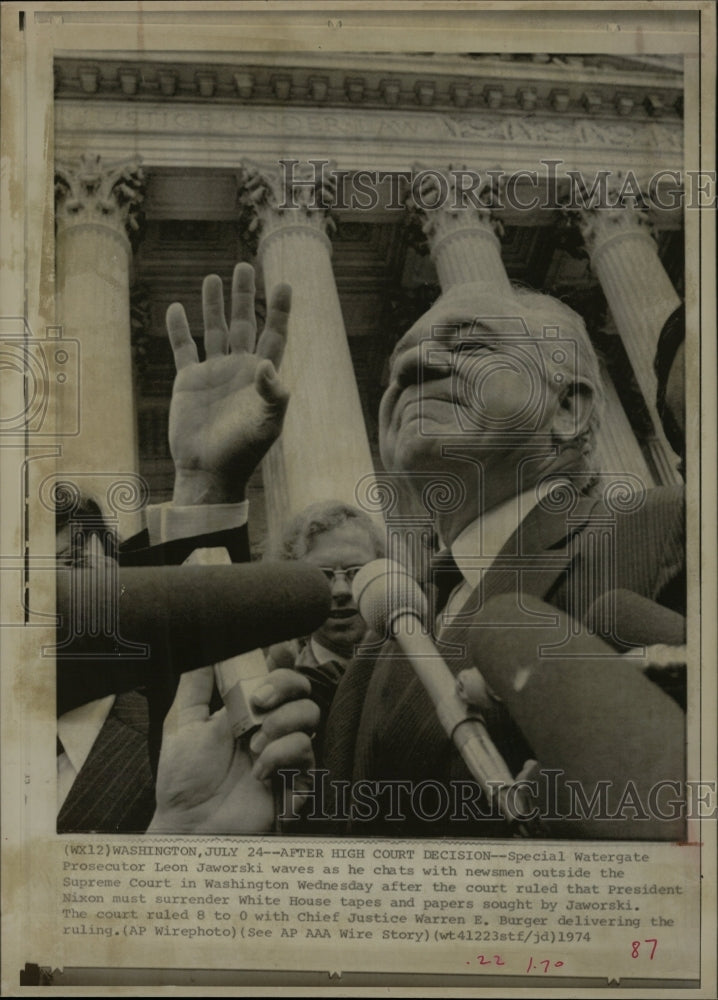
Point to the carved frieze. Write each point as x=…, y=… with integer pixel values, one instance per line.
x=156, y=124
x=571, y=132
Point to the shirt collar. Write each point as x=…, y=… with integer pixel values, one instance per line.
x=476, y=547
x=79, y=729
x=324, y=655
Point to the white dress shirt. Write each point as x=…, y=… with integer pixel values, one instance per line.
x=477, y=546
x=324, y=655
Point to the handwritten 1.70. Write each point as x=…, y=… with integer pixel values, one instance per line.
x=533, y=966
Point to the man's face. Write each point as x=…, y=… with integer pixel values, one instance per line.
x=468, y=377
x=343, y=549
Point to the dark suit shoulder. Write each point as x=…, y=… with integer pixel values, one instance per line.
x=633, y=543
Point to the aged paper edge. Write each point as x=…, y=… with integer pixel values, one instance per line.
x=27, y=254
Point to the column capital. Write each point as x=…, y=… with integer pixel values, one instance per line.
x=273, y=200
x=445, y=206
x=611, y=214
x=89, y=191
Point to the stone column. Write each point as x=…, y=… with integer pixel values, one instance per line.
x=618, y=447
x=96, y=203
x=639, y=293
x=462, y=235
x=323, y=451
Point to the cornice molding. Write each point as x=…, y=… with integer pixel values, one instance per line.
x=553, y=85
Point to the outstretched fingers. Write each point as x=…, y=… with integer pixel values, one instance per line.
x=274, y=336
x=242, y=325
x=183, y=346
x=216, y=334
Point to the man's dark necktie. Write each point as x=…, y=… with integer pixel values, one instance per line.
x=444, y=577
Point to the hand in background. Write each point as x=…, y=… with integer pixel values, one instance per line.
x=206, y=781
x=226, y=411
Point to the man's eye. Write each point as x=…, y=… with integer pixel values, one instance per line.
x=470, y=347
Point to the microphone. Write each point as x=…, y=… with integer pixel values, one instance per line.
x=137, y=621
x=583, y=710
x=631, y=622
x=626, y=619
x=391, y=602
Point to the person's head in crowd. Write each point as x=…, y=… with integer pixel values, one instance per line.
x=339, y=539
x=82, y=536
x=507, y=381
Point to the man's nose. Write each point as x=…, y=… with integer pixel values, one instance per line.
x=341, y=588
x=427, y=360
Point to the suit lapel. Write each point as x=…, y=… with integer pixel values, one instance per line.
x=386, y=695
x=539, y=553
x=114, y=790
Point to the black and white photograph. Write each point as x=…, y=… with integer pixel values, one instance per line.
x=357, y=435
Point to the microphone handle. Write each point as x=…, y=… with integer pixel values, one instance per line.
x=467, y=732
x=236, y=679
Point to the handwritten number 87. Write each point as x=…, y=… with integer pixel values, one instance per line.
x=636, y=945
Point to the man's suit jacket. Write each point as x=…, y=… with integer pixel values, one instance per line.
x=114, y=791
x=383, y=727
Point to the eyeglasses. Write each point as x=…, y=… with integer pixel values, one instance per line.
x=331, y=574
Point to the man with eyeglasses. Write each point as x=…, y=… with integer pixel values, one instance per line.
x=339, y=539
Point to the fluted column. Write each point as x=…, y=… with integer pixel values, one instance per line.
x=461, y=233
x=96, y=203
x=323, y=451
x=618, y=448
x=639, y=293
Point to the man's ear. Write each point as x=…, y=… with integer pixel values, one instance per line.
x=573, y=413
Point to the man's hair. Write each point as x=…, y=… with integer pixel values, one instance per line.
x=543, y=312
x=87, y=519
x=323, y=516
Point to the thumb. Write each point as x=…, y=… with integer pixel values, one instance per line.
x=472, y=688
x=270, y=387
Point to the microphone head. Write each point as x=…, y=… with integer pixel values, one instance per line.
x=627, y=619
x=383, y=590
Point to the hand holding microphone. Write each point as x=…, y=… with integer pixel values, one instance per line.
x=214, y=773
x=392, y=603
x=207, y=782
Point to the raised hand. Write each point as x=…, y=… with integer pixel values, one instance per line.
x=226, y=411
x=206, y=781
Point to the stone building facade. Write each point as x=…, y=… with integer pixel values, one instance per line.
x=560, y=172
